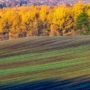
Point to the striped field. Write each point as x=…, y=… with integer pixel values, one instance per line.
x=49, y=59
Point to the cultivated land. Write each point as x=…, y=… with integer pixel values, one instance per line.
x=39, y=58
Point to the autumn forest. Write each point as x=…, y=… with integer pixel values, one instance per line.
x=44, y=20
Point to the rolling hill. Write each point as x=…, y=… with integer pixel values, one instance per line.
x=7, y=3
x=45, y=63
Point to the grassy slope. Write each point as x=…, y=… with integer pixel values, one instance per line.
x=37, y=58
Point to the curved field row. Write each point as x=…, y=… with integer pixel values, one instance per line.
x=42, y=58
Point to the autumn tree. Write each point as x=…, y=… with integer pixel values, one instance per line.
x=45, y=20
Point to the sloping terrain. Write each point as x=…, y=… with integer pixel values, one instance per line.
x=38, y=2
x=45, y=63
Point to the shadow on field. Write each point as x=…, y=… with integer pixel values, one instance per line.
x=80, y=83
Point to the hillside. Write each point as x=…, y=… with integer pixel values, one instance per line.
x=8, y=3
x=56, y=63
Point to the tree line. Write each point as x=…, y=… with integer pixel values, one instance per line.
x=45, y=20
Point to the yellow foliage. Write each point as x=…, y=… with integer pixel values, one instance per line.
x=35, y=18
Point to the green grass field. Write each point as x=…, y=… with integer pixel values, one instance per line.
x=37, y=58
